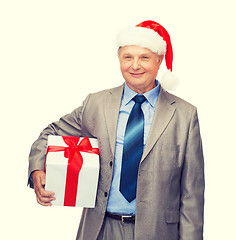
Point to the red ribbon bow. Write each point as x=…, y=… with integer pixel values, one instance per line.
x=75, y=162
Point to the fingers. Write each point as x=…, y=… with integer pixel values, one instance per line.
x=44, y=201
x=43, y=197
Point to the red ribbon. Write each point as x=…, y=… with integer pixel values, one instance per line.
x=75, y=162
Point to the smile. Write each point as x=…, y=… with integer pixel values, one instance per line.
x=136, y=75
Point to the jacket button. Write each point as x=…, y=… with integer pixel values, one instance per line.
x=111, y=163
x=105, y=194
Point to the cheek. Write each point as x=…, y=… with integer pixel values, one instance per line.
x=124, y=67
x=153, y=69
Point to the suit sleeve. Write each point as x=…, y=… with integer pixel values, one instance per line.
x=192, y=185
x=69, y=125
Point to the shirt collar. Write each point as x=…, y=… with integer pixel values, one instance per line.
x=151, y=95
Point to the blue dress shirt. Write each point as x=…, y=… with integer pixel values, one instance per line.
x=116, y=202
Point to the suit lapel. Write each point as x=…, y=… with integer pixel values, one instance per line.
x=111, y=111
x=162, y=116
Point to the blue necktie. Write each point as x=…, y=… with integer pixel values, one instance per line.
x=132, y=150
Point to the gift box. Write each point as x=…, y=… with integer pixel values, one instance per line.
x=72, y=170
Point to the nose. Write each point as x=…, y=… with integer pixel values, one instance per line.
x=136, y=64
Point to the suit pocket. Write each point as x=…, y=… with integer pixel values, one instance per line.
x=170, y=148
x=172, y=216
x=169, y=156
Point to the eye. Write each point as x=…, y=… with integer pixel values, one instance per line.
x=145, y=57
x=127, y=57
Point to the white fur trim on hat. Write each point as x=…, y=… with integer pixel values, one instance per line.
x=142, y=37
x=169, y=81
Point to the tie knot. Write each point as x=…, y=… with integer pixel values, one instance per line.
x=139, y=99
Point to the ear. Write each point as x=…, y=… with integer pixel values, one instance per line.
x=160, y=59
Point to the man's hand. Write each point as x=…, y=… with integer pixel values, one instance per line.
x=43, y=197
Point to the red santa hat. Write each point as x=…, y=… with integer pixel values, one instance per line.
x=151, y=35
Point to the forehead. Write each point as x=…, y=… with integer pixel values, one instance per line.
x=135, y=50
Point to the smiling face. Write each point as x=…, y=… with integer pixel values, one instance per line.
x=139, y=67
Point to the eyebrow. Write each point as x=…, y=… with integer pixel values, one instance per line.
x=141, y=54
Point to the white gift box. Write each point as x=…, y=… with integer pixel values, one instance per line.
x=57, y=170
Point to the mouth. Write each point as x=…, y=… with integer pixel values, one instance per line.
x=136, y=75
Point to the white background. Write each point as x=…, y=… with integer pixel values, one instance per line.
x=53, y=53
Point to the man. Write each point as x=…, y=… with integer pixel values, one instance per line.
x=151, y=183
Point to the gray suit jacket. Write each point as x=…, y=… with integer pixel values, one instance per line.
x=170, y=188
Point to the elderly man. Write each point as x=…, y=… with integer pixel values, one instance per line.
x=151, y=183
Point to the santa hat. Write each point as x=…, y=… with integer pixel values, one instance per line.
x=151, y=35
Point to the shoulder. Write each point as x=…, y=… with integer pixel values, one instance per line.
x=107, y=91
x=96, y=100
x=104, y=95
x=178, y=102
x=184, y=111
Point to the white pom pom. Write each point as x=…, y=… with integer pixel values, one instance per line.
x=169, y=81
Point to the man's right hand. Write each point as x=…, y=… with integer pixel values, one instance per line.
x=43, y=197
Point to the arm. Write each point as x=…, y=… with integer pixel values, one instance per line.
x=69, y=125
x=192, y=185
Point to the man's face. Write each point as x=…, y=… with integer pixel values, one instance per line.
x=139, y=67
